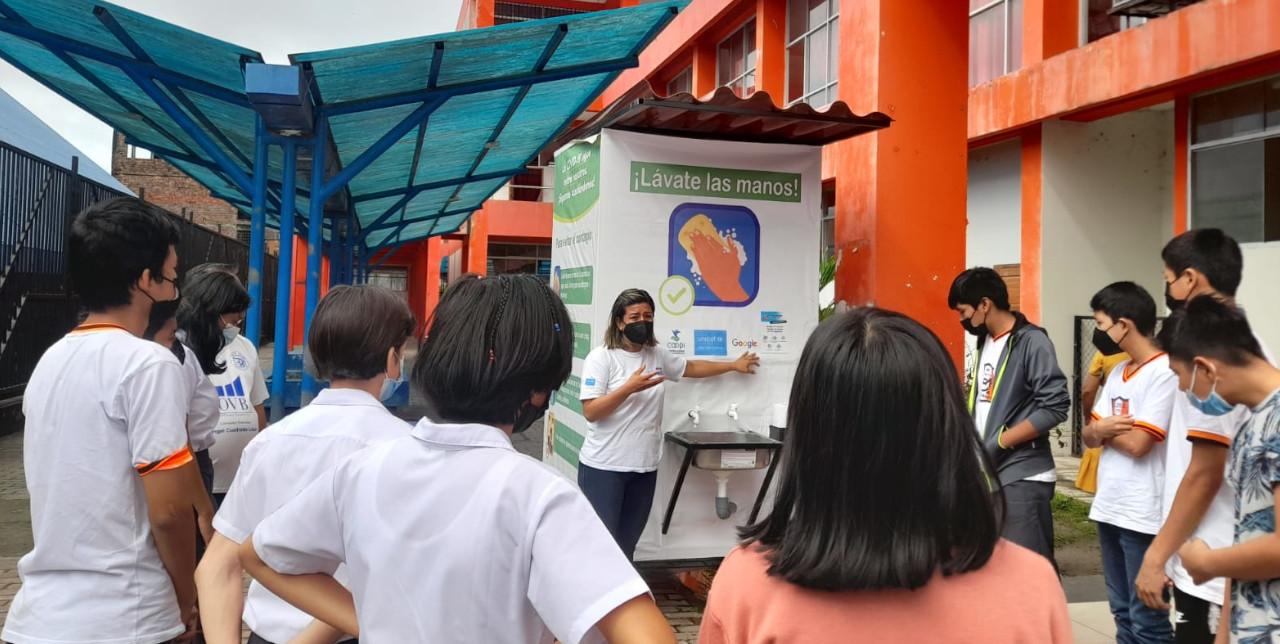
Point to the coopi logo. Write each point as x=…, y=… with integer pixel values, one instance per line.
x=675, y=345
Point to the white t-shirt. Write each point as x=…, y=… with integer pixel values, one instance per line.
x=1217, y=528
x=988, y=369
x=279, y=464
x=1131, y=490
x=202, y=412
x=450, y=535
x=240, y=389
x=103, y=408
x=629, y=439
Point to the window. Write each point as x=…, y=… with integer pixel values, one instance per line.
x=1099, y=23
x=682, y=82
x=1235, y=161
x=813, y=46
x=736, y=60
x=520, y=258
x=828, y=221
x=995, y=39
x=505, y=13
x=392, y=278
x=135, y=152
x=243, y=233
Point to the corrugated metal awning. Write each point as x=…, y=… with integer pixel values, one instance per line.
x=724, y=116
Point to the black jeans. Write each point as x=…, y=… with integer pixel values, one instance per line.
x=1029, y=519
x=623, y=501
x=1197, y=620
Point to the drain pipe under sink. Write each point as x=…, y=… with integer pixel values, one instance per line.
x=724, y=507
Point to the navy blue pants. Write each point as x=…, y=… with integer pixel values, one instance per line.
x=623, y=501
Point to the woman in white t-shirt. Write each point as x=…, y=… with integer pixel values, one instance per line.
x=622, y=395
x=213, y=307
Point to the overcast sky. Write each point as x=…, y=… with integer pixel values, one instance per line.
x=276, y=28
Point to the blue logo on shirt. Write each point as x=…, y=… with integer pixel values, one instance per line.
x=591, y=382
x=710, y=343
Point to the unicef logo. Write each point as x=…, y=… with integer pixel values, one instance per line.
x=239, y=360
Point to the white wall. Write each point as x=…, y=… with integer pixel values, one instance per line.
x=994, y=234
x=1257, y=292
x=1106, y=212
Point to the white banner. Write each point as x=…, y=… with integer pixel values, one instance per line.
x=657, y=213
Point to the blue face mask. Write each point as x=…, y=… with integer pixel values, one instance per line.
x=389, y=386
x=1214, y=405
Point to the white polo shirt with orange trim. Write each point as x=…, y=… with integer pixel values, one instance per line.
x=103, y=409
x=1131, y=490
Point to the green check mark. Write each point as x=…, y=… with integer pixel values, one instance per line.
x=676, y=295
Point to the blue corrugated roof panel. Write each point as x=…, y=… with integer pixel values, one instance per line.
x=483, y=102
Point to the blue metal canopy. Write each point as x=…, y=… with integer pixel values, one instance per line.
x=394, y=142
x=423, y=130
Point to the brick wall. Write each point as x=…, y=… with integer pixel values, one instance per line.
x=164, y=185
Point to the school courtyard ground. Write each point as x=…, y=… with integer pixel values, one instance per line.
x=1086, y=594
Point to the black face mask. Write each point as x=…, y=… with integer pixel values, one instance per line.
x=528, y=414
x=976, y=331
x=1169, y=301
x=639, y=332
x=1104, y=344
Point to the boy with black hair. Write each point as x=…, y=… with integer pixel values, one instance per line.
x=1221, y=365
x=1017, y=397
x=1195, y=502
x=112, y=481
x=1130, y=418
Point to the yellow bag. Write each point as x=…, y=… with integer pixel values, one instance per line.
x=1087, y=476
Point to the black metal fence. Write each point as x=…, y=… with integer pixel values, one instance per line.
x=38, y=201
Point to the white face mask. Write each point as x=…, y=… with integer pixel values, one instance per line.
x=389, y=386
x=229, y=333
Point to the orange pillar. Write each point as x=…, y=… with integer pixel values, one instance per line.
x=704, y=68
x=1181, y=161
x=435, y=254
x=1049, y=27
x=771, y=49
x=298, y=294
x=477, y=246
x=419, y=278
x=1032, y=204
x=901, y=193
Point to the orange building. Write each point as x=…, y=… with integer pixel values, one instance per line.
x=1063, y=141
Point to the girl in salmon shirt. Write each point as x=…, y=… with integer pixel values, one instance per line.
x=884, y=528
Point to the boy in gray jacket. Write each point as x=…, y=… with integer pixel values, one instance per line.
x=1018, y=395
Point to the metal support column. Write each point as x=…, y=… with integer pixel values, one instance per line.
x=257, y=234
x=284, y=282
x=315, y=244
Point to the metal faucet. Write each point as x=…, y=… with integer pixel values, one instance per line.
x=696, y=415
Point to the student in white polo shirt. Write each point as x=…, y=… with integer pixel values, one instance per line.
x=213, y=308
x=357, y=341
x=202, y=402
x=450, y=535
x=1197, y=504
x=1131, y=419
x=112, y=481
